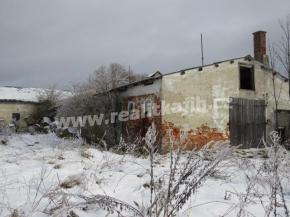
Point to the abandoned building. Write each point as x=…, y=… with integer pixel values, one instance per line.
x=17, y=104
x=227, y=100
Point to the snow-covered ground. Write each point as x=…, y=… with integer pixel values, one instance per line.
x=33, y=166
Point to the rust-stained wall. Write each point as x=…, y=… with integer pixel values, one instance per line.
x=192, y=139
x=206, y=94
x=139, y=127
x=139, y=94
x=195, y=102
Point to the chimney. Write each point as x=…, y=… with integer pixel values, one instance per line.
x=260, y=47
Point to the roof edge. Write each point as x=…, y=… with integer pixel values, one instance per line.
x=211, y=64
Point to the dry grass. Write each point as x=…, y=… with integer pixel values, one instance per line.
x=16, y=213
x=71, y=182
x=57, y=166
x=3, y=141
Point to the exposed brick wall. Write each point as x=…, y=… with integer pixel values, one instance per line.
x=194, y=139
x=133, y=129
x=260, y=45
x=167, y=131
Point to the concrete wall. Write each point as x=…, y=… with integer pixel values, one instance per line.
x=203, y=95
x=195, y=102
x=199, y=99
x=264, y=89
x=6, y=110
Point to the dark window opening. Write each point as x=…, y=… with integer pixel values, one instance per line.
x=131, y=107
x=247, y=78
x=15, y=116
x=148, y=108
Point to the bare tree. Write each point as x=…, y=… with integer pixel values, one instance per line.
x=283, y=47
x=107, y=78
x=99, y=95
x=277, y=89
x=279, y=59
x=49, y=100
x=104, y=81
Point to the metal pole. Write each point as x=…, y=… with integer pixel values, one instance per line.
x=202, y=57
x=129, y=73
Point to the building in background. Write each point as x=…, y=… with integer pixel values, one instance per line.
x=18, y=104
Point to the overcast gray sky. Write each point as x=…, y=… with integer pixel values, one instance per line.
x=46, y=42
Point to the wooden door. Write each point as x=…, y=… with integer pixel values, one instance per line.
x=247, y=122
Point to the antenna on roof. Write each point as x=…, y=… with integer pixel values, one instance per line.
x=129, y=72
x=201, y=43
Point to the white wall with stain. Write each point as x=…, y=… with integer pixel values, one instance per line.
x=216, y=85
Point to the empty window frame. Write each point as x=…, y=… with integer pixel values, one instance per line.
x=247, y=77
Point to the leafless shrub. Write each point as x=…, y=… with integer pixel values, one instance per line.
x=275, y=173
x=17, y=213
x=98, y=95
x=150, y=147
x=185, y=176
x=134, y=148
x=63, y=203
x=283, y=46
x=49, y=100
x=36, y=194
x=265, y=181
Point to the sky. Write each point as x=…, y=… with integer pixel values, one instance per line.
x=61, y=42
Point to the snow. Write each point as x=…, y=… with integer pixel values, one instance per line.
x=23, y=94
x=33, y=165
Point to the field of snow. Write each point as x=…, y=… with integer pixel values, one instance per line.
x=32, y=166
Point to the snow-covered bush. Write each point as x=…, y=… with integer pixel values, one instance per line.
x=184, y=177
